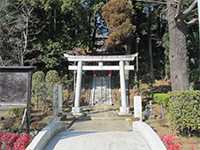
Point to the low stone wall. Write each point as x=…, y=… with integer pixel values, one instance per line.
x=43, y=137
x=149, y=135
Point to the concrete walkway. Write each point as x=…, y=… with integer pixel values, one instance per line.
x=98, y=141
x=104, y=131
x=102, y=126
x=100, y=129
x=99, y=135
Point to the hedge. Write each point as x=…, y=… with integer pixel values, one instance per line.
x=184, y=111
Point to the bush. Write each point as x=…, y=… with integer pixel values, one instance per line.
x=14, y=141
x=161, y=98
x=183, y=108
x=38, y=87
x=66, y=82
x=52, y=77
x=38, y=76
x=16, y=112
x=171, y=142
x=38, y=82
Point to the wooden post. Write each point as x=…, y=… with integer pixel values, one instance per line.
x=28, y=111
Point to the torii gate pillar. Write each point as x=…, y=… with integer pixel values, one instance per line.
x=76, y=108
x=123, y=109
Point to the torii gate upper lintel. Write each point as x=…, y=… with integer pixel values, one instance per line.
x=124, y=109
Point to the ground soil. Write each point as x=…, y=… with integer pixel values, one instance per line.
x=162, y=127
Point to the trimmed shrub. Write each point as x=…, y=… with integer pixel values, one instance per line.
x=161, y=98
x=38, y=76
x=52, y=77
x=183, y=108
x=37, y=82
x=38, y=87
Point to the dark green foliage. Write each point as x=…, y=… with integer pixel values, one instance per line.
x=165, y=44
x=58, y=26
x=194, y=54
x=52, y=54
x=9, y=42
x=184, y=113
x=65, y=80
x=55, y=27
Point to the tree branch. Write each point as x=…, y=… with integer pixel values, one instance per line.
x=192, y=22
x=189, y=9
x=152, y=1
x=180, y=4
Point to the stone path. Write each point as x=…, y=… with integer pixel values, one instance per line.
x=100, y=133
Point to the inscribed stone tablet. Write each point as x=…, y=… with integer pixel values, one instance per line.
x=13, y=88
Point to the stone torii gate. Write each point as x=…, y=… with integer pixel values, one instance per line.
x=122, y=67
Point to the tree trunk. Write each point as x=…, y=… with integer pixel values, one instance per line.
x=150, y=48
x=22, y=59
x=54, y=21
x=177, y=49
x=94, y=33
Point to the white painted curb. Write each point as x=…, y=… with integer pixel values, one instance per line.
x=42, y=138
x=149, y=135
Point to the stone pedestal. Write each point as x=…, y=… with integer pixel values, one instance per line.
x=138, y=107
x=76, y=111
x=124, y=111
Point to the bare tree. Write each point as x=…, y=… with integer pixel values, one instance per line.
x=29, y=26
x=26, y=16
